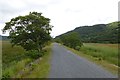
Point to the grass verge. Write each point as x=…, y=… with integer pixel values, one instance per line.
x=14, y=60
x=14, y=69
x=39, y=69
x=107, y=52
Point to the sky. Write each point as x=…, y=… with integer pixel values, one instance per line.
x=65, y=15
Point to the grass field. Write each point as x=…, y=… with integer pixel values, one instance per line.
x=105, y=55
x=14, y=61
x=11, y=54
x=108, y=52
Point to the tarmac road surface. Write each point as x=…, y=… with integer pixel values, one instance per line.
x=65, y=64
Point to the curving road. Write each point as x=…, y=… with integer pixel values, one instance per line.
x=65, y=64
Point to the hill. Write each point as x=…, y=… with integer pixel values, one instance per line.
x=3, y=37
x=0, y=37
x=99, y=33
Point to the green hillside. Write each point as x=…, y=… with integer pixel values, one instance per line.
x=99, y=33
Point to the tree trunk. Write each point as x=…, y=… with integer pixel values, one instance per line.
x=39, y=48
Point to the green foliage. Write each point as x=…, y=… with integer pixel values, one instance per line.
x=31, y=31
x=77, y=48
x=100, y=33
x=71, y=40
x=11, y=55
x=34, y=54
x=14, y=69
x=58, y=40
x=15, y=59
x=41, y=70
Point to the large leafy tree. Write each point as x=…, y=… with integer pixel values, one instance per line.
x=30, y=31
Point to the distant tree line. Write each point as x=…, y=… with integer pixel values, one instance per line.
x=71, y=40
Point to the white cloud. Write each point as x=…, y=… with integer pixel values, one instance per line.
x=65, y=15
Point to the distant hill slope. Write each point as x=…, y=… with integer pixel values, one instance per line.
x=100, y=33
x=0, y=37
x=3, y=38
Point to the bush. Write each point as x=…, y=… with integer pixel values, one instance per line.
x=6, y=75
x=34, y=54
x=71, y=40
x=77, y=48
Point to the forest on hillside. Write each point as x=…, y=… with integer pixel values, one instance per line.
x=99, y=33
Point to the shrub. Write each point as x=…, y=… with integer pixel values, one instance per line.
x=71, y=40
x=6, y=75
x=34, y=54
x=77, y=48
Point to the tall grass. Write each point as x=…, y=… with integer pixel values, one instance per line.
x=11, y=54
x=12, y=70
x=102, y=51
x=15, y=59
x=42, y=69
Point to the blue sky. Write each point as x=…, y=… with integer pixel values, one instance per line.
x=65, y=15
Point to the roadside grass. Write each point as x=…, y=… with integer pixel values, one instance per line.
x=39, y=69
x=15, y=68
x=108, y=45
x=11, y=54
x=105, y=56
x=42, y=69
x=14, y=60
x=102, y=52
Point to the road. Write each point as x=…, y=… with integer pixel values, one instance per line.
x=65, y=64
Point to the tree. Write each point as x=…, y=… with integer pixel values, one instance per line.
x=71, y=40
x=30, y=31
x=58, y=40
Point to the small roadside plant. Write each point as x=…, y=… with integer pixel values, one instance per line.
x=77, y=48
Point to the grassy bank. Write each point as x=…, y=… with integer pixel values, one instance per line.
x=41, y=69
x=14, y=60
x=105, y=55
x=11, y=54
